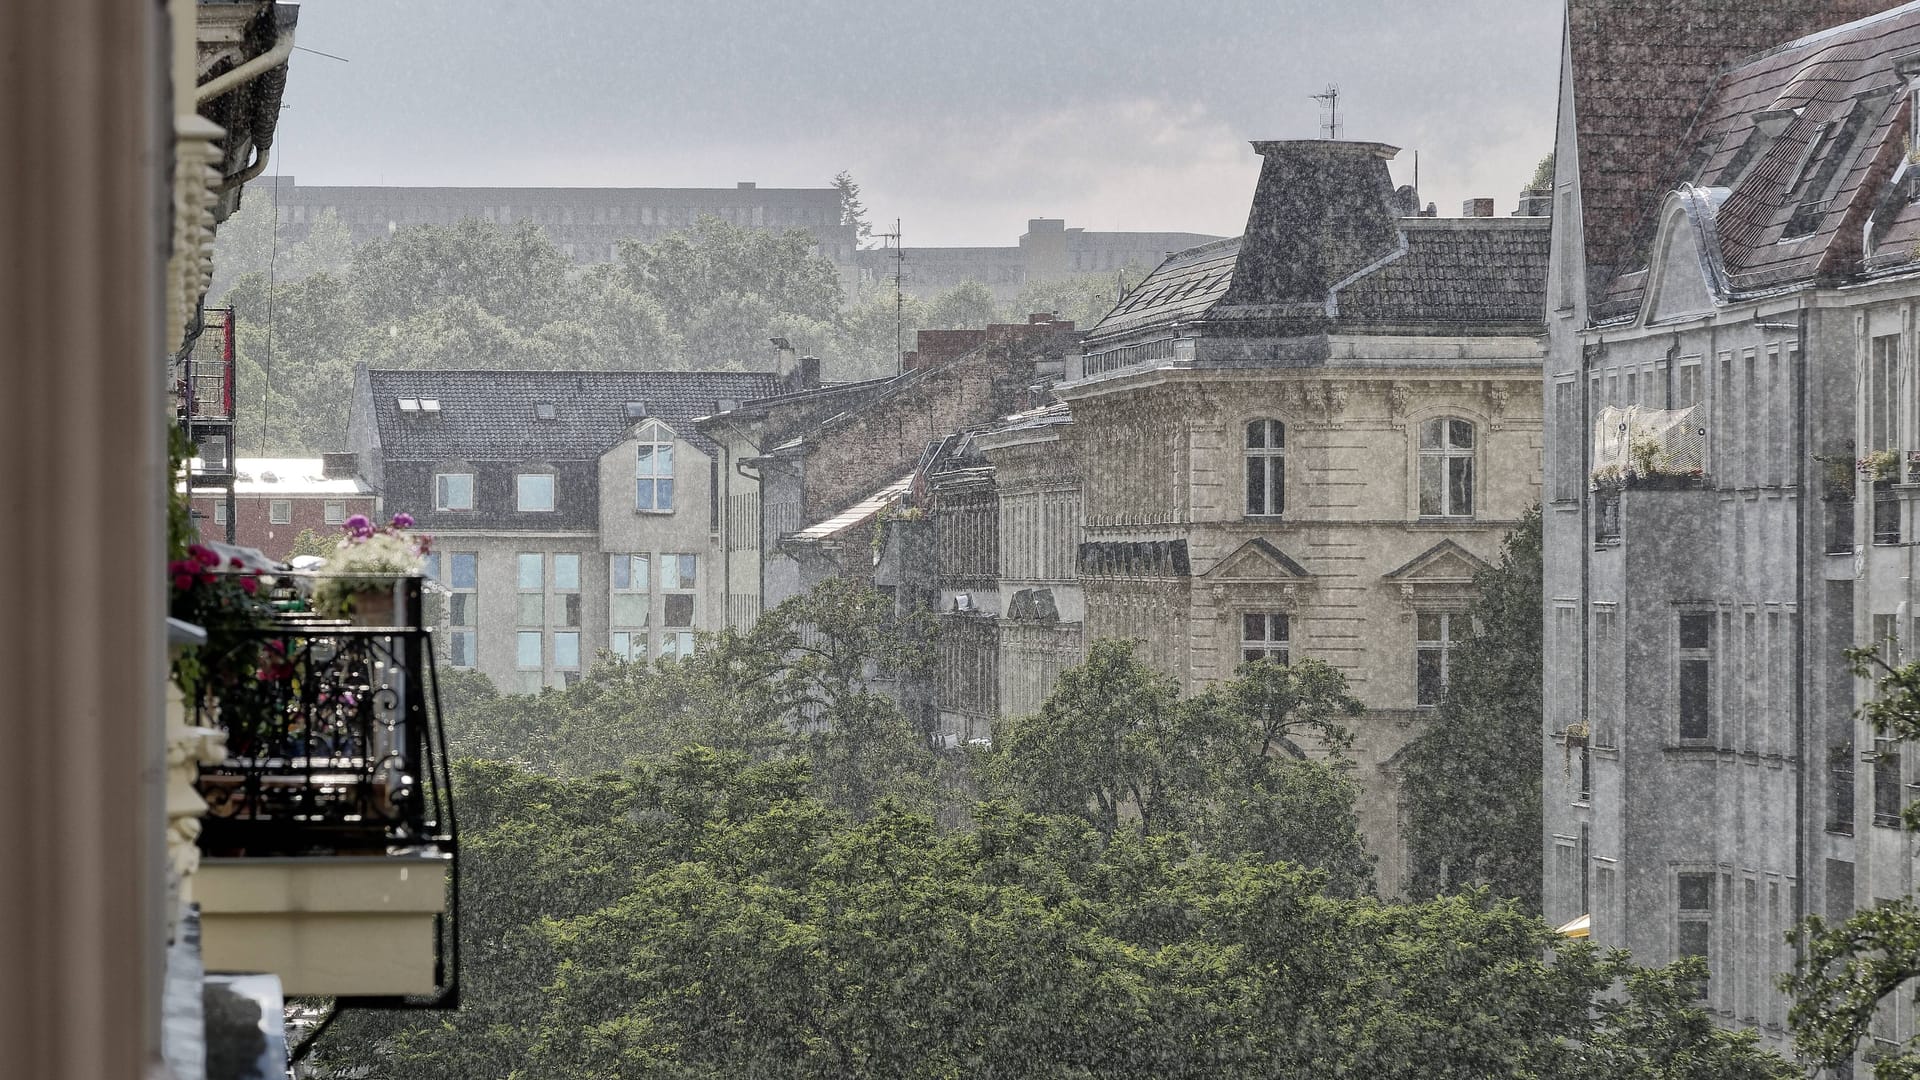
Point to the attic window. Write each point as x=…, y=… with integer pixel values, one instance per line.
x=543, y=410
x=408, y=404
x=428, y=404
x=725, y=404
x=636, y=410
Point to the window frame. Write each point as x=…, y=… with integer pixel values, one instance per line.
x=654, y=487
x=334, y=512
x=1691, y=658
x=520, y=492
x=1268, y=647
x=1273, y=481
x=1443, y=646
x=443, y=501
x=1446, y=454
x=639, y=577
x=274, y=511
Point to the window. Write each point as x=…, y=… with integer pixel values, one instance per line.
x=1883, y=398
x=531, y=578
x=676, y=645
x=678, y=571
x=219, y=511
x=280, y=511
x=543, y=410
x=677, y=610
x=629, y=577
x=1693, y=918
x=453, y=491
x=1266, y=468
x=563, y=605
x=628, y=647
x=1886, y=783
x=1264, y=636
x=566, y=650
x=654, y=468
x=530, y=644
x=534, y=492
x=463, y=603
x=336, y=513
x=1446, y=468
x=1433, y=648
x=1696, y=677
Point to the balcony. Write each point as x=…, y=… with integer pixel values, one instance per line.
x=329, y=852
x=1886, y=513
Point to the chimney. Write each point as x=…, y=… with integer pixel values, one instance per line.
x=808, y=373
x=1477, y=208
x=338, y=465
x=1535, y=203
x=783, y=359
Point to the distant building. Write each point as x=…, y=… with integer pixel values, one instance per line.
x=585, y=223
x=1047, y=250
x=1731, y=327
x=276, y=499
x=572, y=511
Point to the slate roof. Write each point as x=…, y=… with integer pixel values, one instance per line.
x=1183, y=286
x=1486, y=273
x=488, y=415
x=1797, y=146
x=1640, y=70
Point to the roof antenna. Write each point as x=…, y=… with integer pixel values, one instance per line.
x=1329, y=111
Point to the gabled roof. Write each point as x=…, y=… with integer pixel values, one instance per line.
x=1640, y=71
x=488, y=414
x=1257, y=560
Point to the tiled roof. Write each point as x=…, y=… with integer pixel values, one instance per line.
x=1798, y=143
x=1641, y=69
x=1481, y=272
x=1180, y=288
x=489, y=415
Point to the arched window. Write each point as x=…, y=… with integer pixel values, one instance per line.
x=1266, y=468
x=655, y=467
x=1446, y=468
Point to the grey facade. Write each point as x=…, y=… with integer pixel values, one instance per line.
x=1710, y=554
x=1047, y=250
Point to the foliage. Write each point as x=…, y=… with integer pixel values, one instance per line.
x=703, y=916
x=1472, y=779
x=1115, y=745
x=367, y=559
x=312, y=543
x=1542, y=174
x=227, y=600
x=1848, y=970
x=853, y=212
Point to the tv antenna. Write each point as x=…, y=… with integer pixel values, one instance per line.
x=899, y=297
x=1329, y=111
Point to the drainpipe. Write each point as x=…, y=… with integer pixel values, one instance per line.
x=1802, y=610
x=266, y=61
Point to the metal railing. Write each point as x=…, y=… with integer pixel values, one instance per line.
x=1886, y=513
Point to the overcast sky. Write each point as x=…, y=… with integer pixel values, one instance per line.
x=964, y=118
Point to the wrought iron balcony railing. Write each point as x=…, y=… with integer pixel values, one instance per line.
x=334, y=744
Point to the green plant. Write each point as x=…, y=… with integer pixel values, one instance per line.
x=1880, y=465
x=229, y=602
x=367, y=560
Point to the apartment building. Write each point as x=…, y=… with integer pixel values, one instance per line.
x=1731, y=329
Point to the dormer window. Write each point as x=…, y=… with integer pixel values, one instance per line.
x=408, y=404
x=543, y=410
x=654, y=468
x=636, y=410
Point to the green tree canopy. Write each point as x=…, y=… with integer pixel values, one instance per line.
x=1472, y=779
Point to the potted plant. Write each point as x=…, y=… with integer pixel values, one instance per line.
x=1880, y=465
x=230, y=602
x=362, y=579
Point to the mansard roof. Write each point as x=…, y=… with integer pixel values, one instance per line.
x=1641, y=70
x=489, y=414
x=1329, y=248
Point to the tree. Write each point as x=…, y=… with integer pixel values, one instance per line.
x=1472, y=779
x=312, y=543
x=853, y=212
x=1542, y=175
x=1847, y=971
x=967, y=306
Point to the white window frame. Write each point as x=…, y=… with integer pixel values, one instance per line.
x=1445, y=454
x=1272, y=462
x=279, y=511
x=1266, y=635
x=1442, y=645
x=334, y=512
x=443, y=491
x=219, y=511
x=653, y=469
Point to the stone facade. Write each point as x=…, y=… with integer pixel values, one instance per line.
x=1724, y=342
x=1047, y=250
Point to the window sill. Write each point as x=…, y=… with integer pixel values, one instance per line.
x=1884, y=821
x=643, y=511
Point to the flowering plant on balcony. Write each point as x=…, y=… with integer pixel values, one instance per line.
x=229, y=601
x=1880, y=465
x=366, y=562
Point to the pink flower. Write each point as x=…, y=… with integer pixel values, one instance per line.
x=205, y=556
x=183, y=582
x=249, y=585
x=403, y=520
x=236, y=562
x=358, y=525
